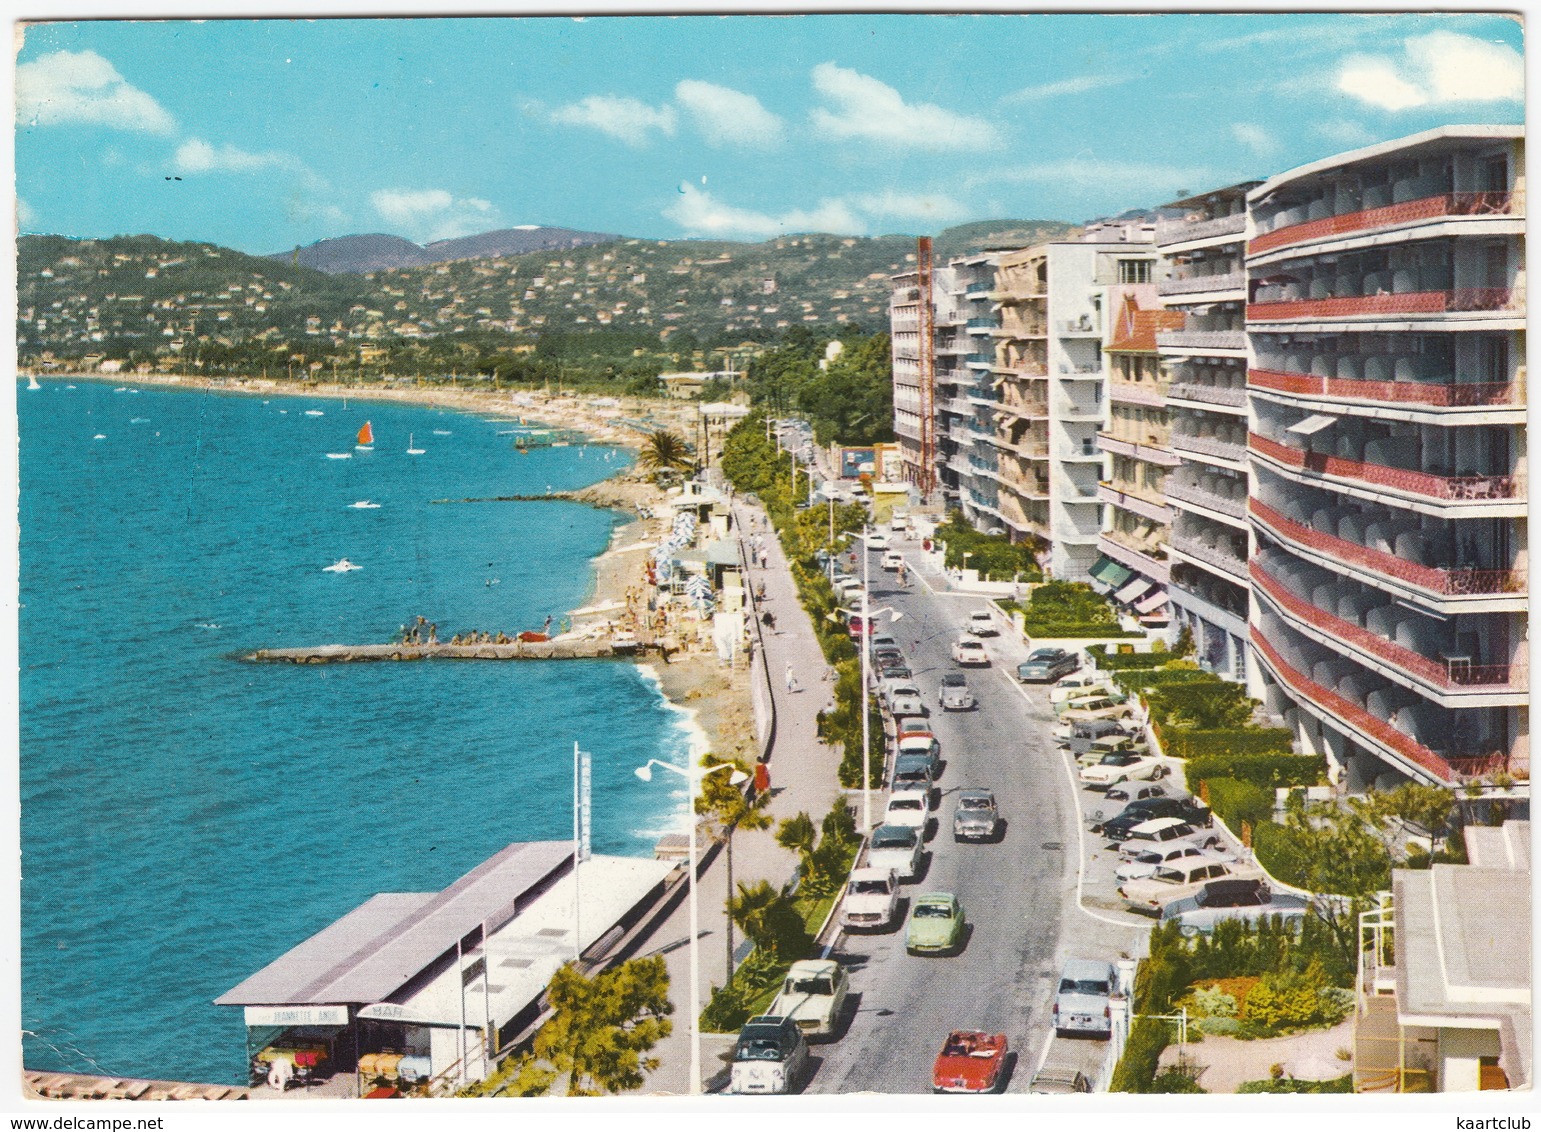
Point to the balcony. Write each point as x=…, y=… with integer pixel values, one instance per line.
x=1231, y=396
x=1140, y=506
x=1217, y=556
x=1407, y=212
x=1025, y=489
x=1447, y=676
x=1200, y=496
x=1464, y=300
x=1200, y=341
x=1457, y=395
x=1025, y=450
x=1147, y=393
x=1022, y=410
x=1439, y=581
x=1077, y=326
x=1074, y=411
x=1136, y=450
x=1013, y=329
x=1075, y=371
x=1138, y=559
x=1209, y=446
x=1026, y=369
x=1186, y=231
x=1080, y=454
x=1203, y=284
x=1461, y=489
x=1344, y=711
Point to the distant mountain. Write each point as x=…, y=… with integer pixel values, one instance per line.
x=377, y=251
x=966, y=239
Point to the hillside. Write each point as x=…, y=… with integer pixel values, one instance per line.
x=151, y=298
x=377, y=251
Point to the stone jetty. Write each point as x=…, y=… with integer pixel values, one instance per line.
x=572, y=648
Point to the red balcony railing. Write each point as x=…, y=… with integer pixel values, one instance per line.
x=1451, y=676
x=1425, y=208
x=1466, y=488
x=1451, y=582
x=1354, y=715
x=1461, y=395
x=1392, y=303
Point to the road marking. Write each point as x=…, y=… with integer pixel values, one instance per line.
x=1075, y=807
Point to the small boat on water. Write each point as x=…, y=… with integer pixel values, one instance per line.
x=100, y=436
x=411, y=450
x=442, y=432
x=32, y=382
x=364, y=505
x=341, y=566
x=314, y=413
x=339, y=455
x=140, y=420
x=366, y=438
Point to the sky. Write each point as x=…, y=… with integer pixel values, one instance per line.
x=264, y=134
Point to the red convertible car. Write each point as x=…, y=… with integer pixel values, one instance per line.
x=970, y=1062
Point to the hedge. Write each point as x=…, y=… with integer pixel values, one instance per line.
x=1054, y=630
x=1118, y=661
x=1229, y=742
x=1237, y=802
x=1266, y=770
x=1136, y=1070
x=1136, y=679
x=1218, y=704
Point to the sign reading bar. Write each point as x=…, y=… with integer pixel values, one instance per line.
x=296, y=1015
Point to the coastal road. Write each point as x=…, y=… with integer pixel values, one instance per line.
x=1019, y=893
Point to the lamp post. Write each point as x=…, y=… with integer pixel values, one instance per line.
x=694, y=777
x=864, y=645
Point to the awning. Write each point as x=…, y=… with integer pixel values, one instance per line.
x=1151, y=601
x=1132, y=589
x=1312, y=424
x=1110, y=573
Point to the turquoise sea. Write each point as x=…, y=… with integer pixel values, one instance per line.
x=187, y=817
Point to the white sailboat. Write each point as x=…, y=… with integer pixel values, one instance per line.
x=412, y=451
x=32, y=381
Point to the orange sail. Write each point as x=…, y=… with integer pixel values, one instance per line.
x=366, y=435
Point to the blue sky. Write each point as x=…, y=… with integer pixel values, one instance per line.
x=283, y=132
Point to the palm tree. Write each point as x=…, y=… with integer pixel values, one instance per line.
x=751, y=910
x=666, y=451
x=731, y=810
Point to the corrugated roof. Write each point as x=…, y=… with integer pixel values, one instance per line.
x=392, y=937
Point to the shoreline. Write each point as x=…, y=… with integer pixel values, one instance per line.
x=714, y=698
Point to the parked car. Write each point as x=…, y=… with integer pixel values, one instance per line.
x=1094, y=707
x=976, y=818
x=1058, y=1080
x=936, y=925
x=912, y=740
x=1248, y=899
x=891, y=690
x=1194, y=813
x=1079, y=735
x=877, y=540
x=1172, y=882
x=1121, y=766
x=1078, y=684
x=882, y=641
x=1083, y=1003
x=1116, y=743
x=912, y=773
x=871, y=898
x=970, y=1062
x=907, y=704
x=899, y=519
x=982, y=624
x=970, y=651
x=1166, y=831
x=857, y=627
x=896, y=847
x=1147, y=861
x=892, y=560
x=771, y=1056
x=1120, y=796
x=1093, y=699
x=894, y=670
x=813, y=995
x=956, y=694
x=1048, y=664
x=887, y=654
x=913, y=810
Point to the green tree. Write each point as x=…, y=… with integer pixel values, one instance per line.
x=769, y=918
x=730, y=809
x=602, y=1027
x=665, y=451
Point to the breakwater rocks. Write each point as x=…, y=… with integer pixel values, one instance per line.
x=575, y=649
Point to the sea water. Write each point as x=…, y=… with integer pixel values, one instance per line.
x=187, y=817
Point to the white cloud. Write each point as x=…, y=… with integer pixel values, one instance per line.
x=426, y=215
x=866, y=108
x=1436, y=69
x=1255, y=138
x=701, y=214
x=26, y=215
x=1096, y=174
x=936, y=207
x=198, y=156
x=1078, y=85
x=628, y=119
x=729, y=117
x=81, y=87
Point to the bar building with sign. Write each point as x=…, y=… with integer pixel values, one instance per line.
x=422, y=991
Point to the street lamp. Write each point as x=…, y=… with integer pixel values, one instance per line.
x=694, y=777
x=867, y=614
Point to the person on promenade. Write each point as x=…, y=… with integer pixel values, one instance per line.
x=764, y=558
x=791, y=678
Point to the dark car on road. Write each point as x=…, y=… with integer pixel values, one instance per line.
x=1248, y=899
x=1048, y=664
x=1117, y=828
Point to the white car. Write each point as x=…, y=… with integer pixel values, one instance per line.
x=892, y=560
x=1162, y=832
x=896, y=847
x=982, y=624
x=877, y=540
x=892, y=690
x=910, y=808
x=1079, y=684
x=871, y=897
x=1147, y=861
x=1122, y=766
x=970, y=651
x=813, y=995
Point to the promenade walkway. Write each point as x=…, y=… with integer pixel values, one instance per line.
x=803, y=778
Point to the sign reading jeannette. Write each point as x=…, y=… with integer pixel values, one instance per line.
x=296, y=1015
